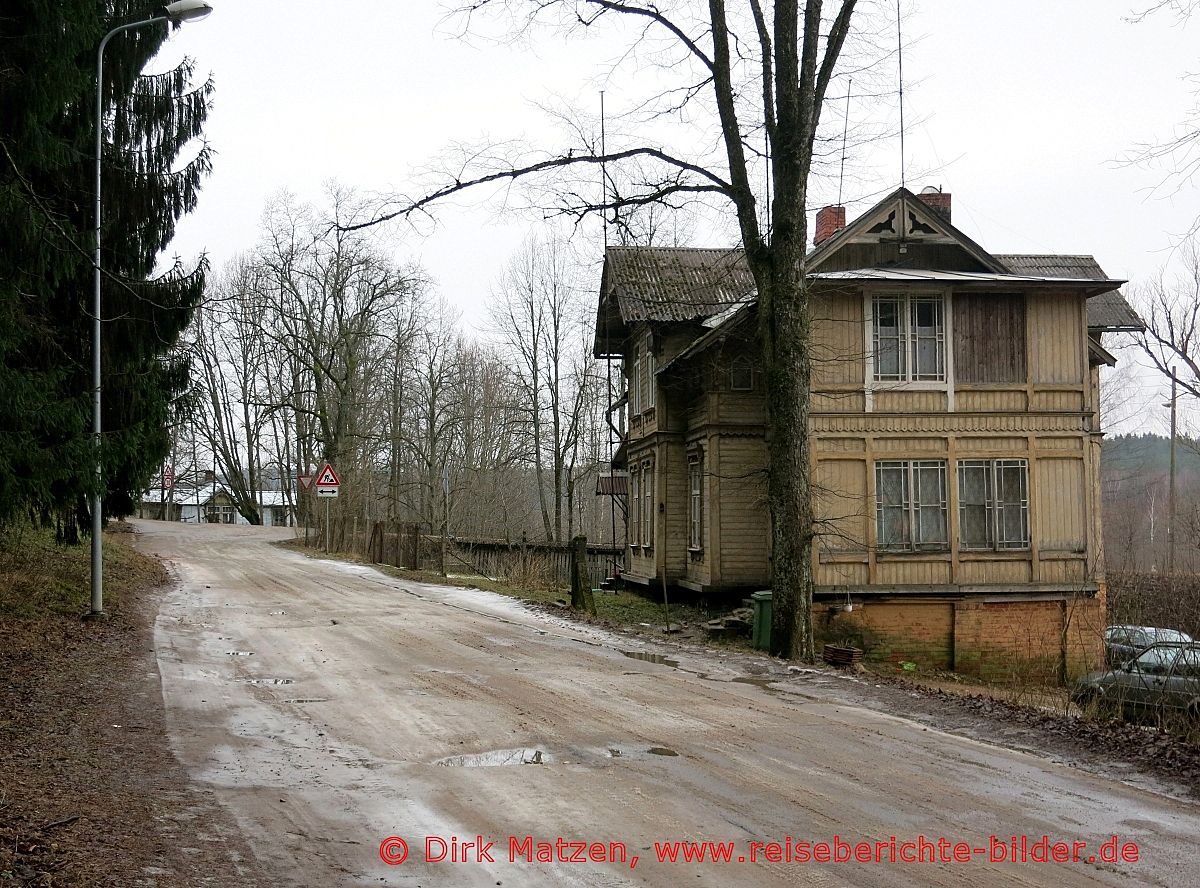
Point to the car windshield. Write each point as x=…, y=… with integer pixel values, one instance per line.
x=1168, y=635
x=1156, y=659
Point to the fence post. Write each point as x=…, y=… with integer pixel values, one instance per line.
x=581, y=583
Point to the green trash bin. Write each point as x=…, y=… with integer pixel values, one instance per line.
x=760, y=628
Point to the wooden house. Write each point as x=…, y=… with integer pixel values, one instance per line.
x=955, y=425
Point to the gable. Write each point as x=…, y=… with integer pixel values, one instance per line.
x=902, y=231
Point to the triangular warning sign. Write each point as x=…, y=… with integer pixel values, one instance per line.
x=327, y=477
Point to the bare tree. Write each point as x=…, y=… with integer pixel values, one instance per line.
x=1179, y=154
x=228, y=352
x=1170, y=308
x=765, y=71
x=539, y=314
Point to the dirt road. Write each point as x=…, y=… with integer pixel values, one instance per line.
x=330, y=707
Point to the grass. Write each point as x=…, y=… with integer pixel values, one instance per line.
x=40, y=578
x=621, y=608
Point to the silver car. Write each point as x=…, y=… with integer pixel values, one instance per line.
x=1161, y=681
x=1123, y=643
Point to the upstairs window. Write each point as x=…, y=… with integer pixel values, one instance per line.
x=909, y=339
x=993, y=504
x=635, y=384
x=651, y=380
x=910, y=505
x=741, y=374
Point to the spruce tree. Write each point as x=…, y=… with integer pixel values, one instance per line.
x=47, y=121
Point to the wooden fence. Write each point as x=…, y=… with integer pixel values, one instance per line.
x=413, y=546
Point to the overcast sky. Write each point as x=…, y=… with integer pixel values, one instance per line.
x=1023, y=109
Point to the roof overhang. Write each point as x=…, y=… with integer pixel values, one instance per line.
x=962, y=279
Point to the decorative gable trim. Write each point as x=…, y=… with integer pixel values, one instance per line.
x=902, y=217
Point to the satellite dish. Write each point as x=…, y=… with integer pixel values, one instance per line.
x=932, y=189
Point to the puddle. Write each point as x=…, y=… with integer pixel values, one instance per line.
x=661, y=750
x=265, y=681
x=651, y=658
x=496, y=758
x=240, y=653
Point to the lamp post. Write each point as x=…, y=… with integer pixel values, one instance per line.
x=179, y=11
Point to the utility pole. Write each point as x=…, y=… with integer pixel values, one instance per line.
x=1171, y=487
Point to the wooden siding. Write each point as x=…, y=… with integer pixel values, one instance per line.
x=910, y=401
x=743, y=512
x=979, y=571
x=838, y=353
x=998, y=400
x=1057, y=346
x=840, y=505
x=912, y=570
x=989, y=337
x=1059, y=504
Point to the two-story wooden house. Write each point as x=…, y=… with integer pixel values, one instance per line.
x=955, y=424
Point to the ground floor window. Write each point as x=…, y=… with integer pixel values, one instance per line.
x=695, y=502
x=910, y=505
x=993, y=504
x=647, y=504
x=635, y=506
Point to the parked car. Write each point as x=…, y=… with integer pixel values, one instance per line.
x=1161, y=681
x=1123, y=643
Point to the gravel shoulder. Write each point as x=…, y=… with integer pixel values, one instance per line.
x=90, y=792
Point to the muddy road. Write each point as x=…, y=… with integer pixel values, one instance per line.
x=329, y=708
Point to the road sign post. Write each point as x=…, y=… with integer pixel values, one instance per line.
x=327, y=484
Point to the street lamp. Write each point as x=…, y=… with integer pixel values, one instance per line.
x=179, y=11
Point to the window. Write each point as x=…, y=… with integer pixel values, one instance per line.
x=635, y=384
x=909, y=339
x=910, y=505
x=741, y=374
x=651, y=381
x=635, y=506
x=695, y=502
x=647, y=504
x=993, y=504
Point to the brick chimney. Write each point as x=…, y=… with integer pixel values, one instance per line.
x=830, y=220
x=937, y=200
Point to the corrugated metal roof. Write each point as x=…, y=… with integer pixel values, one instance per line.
x=676, y=283
x=1108, y=311
x=612, y=484
x=1054, y=266
x=689, y=284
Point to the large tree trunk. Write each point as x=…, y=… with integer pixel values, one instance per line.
x=788, y=374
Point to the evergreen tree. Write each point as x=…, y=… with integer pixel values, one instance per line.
x=47, y=131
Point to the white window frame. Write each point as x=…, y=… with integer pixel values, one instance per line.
x=648, y=520
x=871, y=384
x=912, y=508
x=696, y=502
x=635, y=384
x=634, y=505
x=651, y=381
x=909, y=338
x=994, y=509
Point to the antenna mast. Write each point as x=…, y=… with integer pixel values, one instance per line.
x=845, y=129
x=603, y=173
x=900, y=62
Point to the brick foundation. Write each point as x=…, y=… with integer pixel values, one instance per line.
x=1018, y=641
